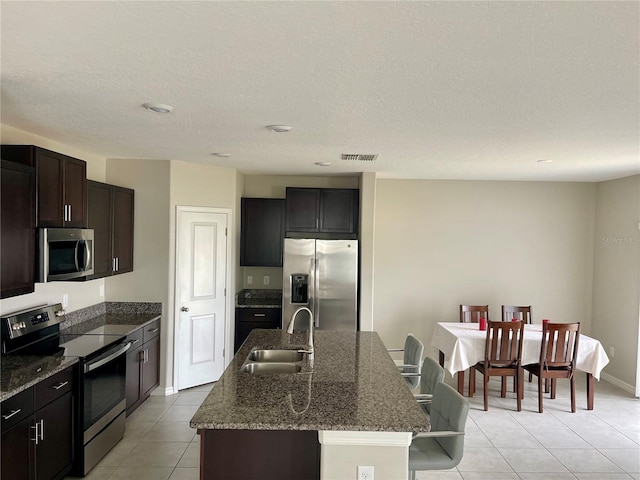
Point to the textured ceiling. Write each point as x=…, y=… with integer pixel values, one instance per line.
x=442, y=90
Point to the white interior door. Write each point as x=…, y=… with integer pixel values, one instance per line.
x=200, y=296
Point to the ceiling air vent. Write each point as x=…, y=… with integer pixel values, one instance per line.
x=360, y=157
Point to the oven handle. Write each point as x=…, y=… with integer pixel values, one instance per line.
x=92, y=366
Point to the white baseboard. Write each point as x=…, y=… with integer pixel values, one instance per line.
x=619, y=383
x=162, y=392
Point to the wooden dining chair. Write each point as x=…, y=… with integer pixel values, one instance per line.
x=502, y=357
x=473, y=314
x=558, y=355
x=522, y=313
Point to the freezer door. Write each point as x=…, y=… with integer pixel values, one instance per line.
x=299, y=260
x=336, y=285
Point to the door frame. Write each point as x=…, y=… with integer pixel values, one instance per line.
x=229, y=304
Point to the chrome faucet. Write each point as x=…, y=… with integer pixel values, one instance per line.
x=292, y=322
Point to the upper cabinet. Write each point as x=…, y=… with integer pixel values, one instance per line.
x=61, y=185
x=323, y=211
x=262, y=232
x=17, y=229
x=111, y=218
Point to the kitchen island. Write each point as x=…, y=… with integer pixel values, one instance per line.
x=350, y=407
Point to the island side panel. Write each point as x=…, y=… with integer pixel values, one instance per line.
x=264, y=454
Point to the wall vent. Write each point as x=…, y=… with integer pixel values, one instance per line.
x=360, y=157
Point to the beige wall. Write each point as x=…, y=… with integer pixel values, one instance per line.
x=616, y=286
x=81, y=294
x=367, y=248
x=439, y=244
x=148, y=281
x=202, y=186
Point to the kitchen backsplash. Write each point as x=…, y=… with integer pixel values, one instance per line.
x=84, y=314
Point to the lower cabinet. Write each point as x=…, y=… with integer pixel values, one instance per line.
x=249, y=318
x=143, y=364
x=37, y=430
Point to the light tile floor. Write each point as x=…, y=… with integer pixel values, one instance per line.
x=501, y=444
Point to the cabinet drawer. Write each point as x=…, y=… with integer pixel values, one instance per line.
x=267, y=315
x=16, y=408
x=135, y=338
x=152, y=330
x=53, y=387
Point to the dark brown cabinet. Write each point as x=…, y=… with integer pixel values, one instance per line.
x=61, y=185
x=262, y=232
x=249, y=318
x=37, y=430
x=322, y=210
x=17, y=229
x=143, y=365
x=111, y=218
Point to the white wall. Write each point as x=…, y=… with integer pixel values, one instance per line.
x=81, y=294
x=439, y=244
x=616, y=286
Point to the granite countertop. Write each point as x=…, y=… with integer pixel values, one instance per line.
x=113, y=323
x=259, y=298
x=19, y=372
x=353, y=385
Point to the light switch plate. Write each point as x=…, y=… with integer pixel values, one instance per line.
x=265, y=280
x=65, y=300
x=249, y=279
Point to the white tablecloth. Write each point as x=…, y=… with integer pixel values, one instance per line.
x=463, y=346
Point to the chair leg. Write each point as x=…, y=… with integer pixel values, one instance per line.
x=485, y=379
x=546, y=385
x=553, y=387
x=503, y=387
x=520, y=392
x=573, y=393
x=472, y=382
x=540, y=394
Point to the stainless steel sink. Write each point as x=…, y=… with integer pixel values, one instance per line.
x=271, y=367
x=269, y=356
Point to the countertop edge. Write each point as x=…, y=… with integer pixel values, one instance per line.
x=69, y=361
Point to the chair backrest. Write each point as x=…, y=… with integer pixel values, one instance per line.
x=559, y=345
x=449, y=411
x=503, y=347
x=522, y=313
x=413, y=351
x=430, y=376
x=473, y=313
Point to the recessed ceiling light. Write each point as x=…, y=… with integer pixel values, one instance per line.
x=544, y=160
x=279, y=128
x=158, y=107
x=221, y=154
x=323, y=164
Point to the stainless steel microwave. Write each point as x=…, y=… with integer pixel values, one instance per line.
x=65, y=254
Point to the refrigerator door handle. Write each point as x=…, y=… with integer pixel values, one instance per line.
x=312, y=290
x=316, y=294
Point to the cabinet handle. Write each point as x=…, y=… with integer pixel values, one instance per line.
x=64, y=212
x=42, y=429
x=113, y=264
x=155, y=329
x=35, y=427
x=133, y=342
x=13, y=412
x=259, y=315
x=117, y=264
x=69, y=212
x=60, y=385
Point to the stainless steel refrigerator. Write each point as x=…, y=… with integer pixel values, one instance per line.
x=323, y=276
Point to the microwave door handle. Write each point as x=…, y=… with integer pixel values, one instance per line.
x=87, y=255
x=76, y=254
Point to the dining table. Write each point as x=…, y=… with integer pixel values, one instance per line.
x=461, y=345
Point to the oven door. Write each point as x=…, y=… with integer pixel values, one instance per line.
x=104, y=389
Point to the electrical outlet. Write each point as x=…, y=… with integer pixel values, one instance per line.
x=102, y=290
x=611, y=351
x=365, y=472
x=249, y=279
x=65, y=300
x=265, y=280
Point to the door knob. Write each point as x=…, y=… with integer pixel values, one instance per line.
x=184, y=309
